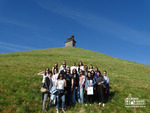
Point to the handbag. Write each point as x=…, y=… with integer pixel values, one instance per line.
x=43, y=90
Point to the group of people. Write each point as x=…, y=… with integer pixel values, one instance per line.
x=69, y=85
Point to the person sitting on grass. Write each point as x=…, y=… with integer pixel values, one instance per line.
x=90, y=82
x=60, y=84
x=100, y=88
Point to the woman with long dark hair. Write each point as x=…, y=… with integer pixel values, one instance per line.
x=44, y=74
x=75, y=78
x=48, y=85
x=81, y=87
x=60, y=84
x=90, y=82
x=55, y=76
x=96, y=70
x=55, y=67
x=91, y=67
x=100, y=88
x=80, y=66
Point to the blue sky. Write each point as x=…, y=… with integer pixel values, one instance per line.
x=119, y=28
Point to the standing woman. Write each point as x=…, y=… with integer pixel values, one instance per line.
x=93, y=73
x=60, y=84
x=96, y=70
x=55, y=67
x=75, y=78
x=53, y=90
x=48, y=85
x=81, y=87
x=91, y=67
x=55, y=76
x=106, y=78
x=80, y=66
x=95, y=91
x=100, y=88
x=90, y=82
x=44, y=74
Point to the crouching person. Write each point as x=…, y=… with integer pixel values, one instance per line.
x=60, y=84
x=48, y=85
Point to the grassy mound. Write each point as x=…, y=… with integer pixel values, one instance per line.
x=19, y=82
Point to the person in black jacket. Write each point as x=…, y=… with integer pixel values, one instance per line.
x=75, y=77
x=69, y=88
x=48, y=85
x=100, y=88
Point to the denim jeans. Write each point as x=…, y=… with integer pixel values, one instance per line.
x=45, y=96
x=78, y=94
x=73, y=96
x=81, y=94
x=62, y=96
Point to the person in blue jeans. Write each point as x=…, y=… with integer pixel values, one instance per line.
x=75, y=78
x=81, y=87
x=60, y=84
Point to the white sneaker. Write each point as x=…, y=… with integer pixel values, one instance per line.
x=57, y=111
x=103, y=105
x=63, y=111
x=99, y=103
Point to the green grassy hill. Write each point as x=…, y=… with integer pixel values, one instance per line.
x=19, y=82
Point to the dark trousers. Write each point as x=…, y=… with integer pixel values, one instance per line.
x=68, y=97
x=100, y=92
x=89, y=99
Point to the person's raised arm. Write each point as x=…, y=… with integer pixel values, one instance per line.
x=41, y=73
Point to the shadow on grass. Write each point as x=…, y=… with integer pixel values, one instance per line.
x=108, y=97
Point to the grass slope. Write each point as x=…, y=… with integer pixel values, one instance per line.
x=19, y=83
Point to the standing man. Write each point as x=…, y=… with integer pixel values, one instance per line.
x=73, y=67
x=62, y=66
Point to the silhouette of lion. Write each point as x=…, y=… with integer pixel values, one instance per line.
x=70, y=38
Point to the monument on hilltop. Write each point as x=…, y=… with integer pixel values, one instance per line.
x=70, y=42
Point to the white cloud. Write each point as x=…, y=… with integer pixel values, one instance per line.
x=14, y=47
